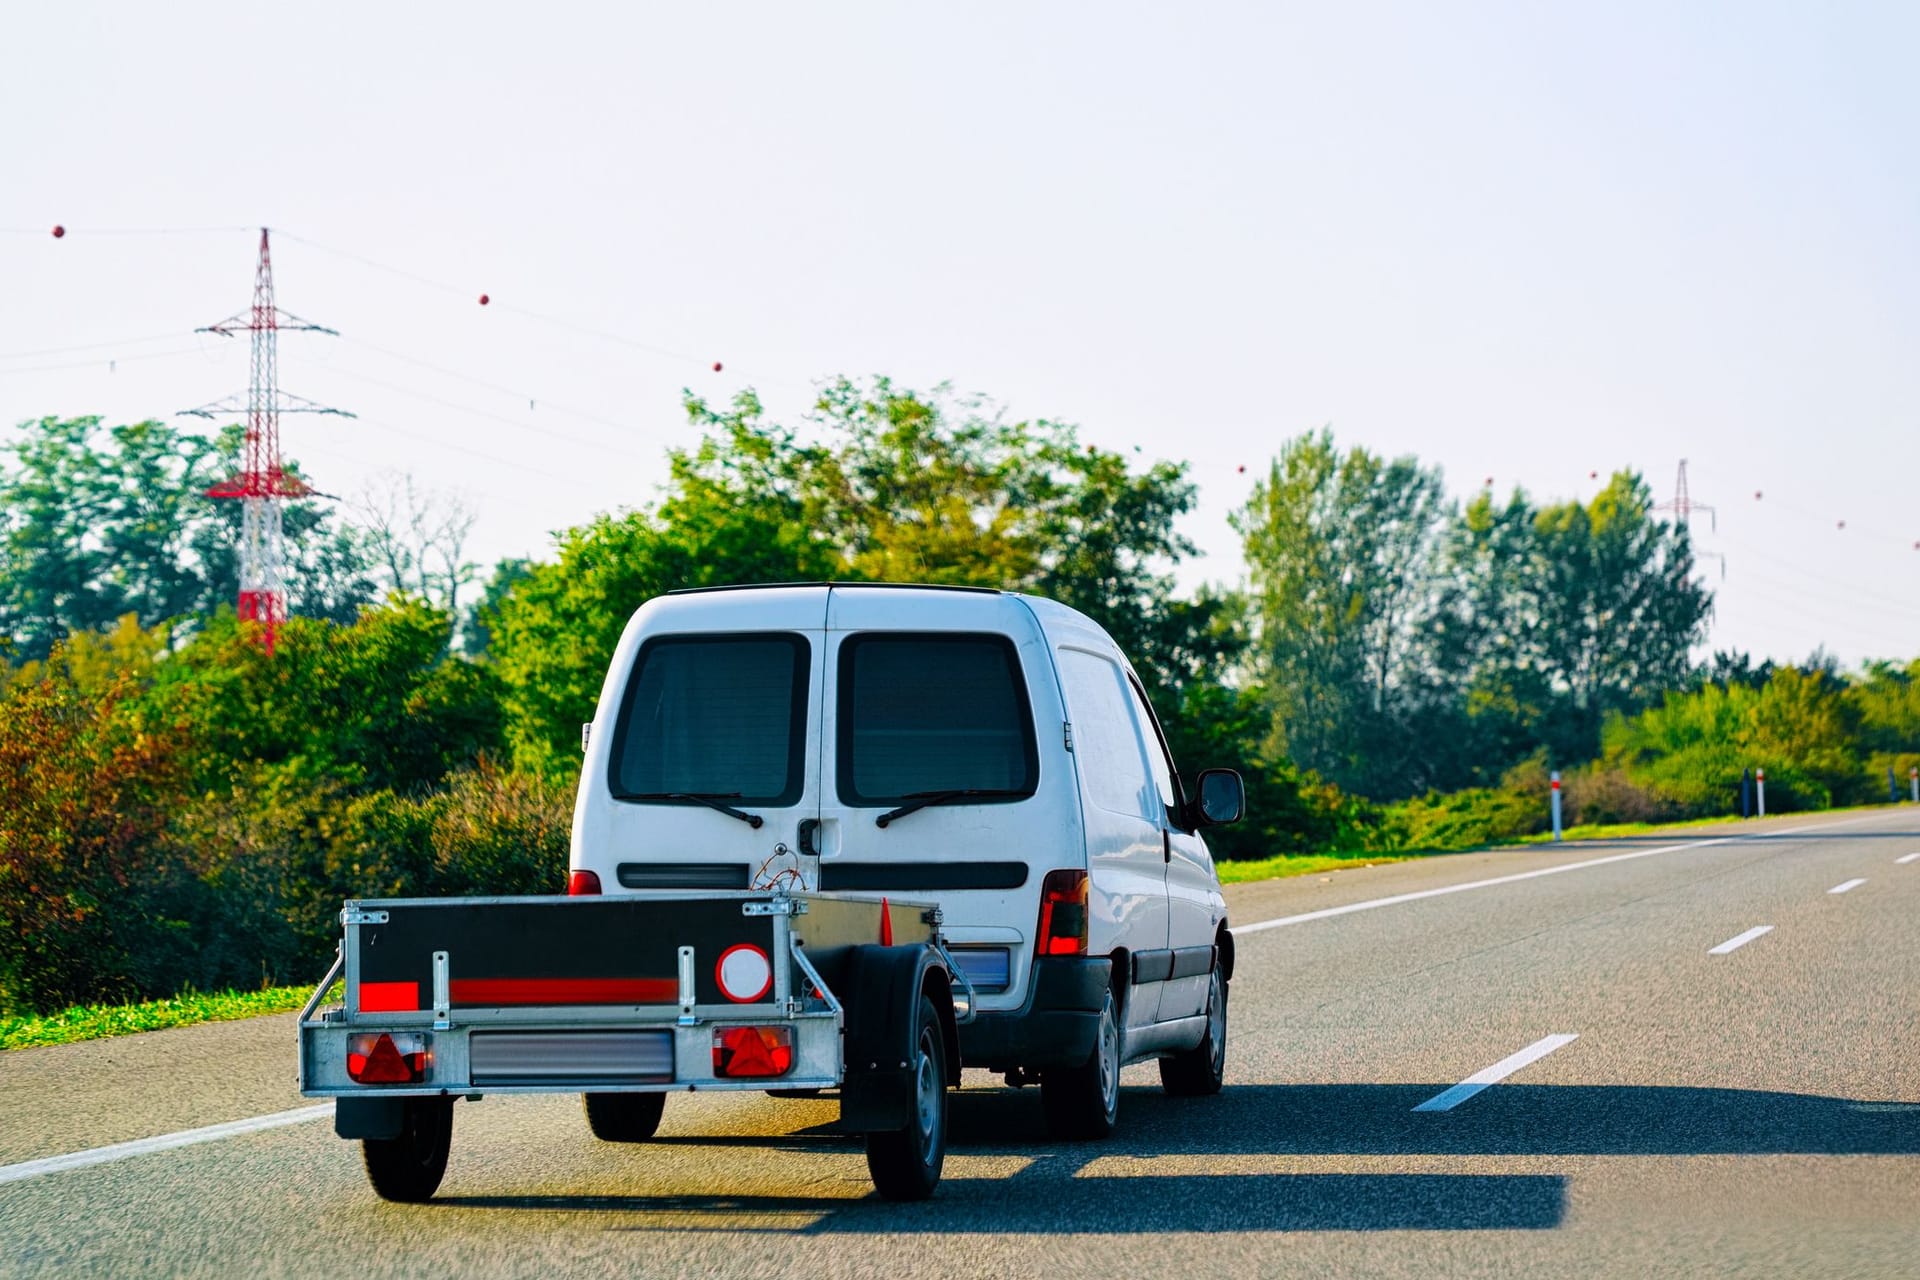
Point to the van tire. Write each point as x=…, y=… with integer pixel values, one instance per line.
x=1198, y=1072
x=624, y=1117
x=905, y=1163
x=407, y=1168
x=1081, y=1103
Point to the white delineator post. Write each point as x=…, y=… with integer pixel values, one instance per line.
x=1556, y=805
x=1760, y=789
x=1913, y=776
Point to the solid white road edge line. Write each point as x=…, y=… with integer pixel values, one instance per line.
x=1845, y=885
x=1451, y=1098
x=165, y=1142
x=1328, y=913
x=1907, y=858
x=1741, y=940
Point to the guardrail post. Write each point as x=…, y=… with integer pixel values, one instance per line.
x=1555, y=776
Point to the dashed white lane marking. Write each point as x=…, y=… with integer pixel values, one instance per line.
x=1740, y=940
x=1907, y=858
x=1328, y=913
x=165, y=1142
x=1451, y=1098
x=1845, y=885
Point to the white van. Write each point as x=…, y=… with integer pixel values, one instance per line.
x=990, y=752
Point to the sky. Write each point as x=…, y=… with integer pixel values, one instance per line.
x=1527, y=243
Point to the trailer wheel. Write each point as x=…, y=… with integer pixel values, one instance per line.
x=1199, y=1071
x=905, y=1163
x=624, y=1117
x=408, y=1168
x=1083, y=1101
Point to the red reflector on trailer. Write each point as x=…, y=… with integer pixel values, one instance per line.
x=389, y=997
x=1063, y=914
x=752, y=1051
x=583, y=884
x=387, y=1058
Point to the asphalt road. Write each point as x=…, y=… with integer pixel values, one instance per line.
x=1751, y=1112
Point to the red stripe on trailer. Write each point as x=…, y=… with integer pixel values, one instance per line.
x=389, y=997
x=472, y=991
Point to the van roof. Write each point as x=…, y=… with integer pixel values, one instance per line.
x=882, y=586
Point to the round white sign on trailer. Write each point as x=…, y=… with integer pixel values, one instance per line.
x=744, y=973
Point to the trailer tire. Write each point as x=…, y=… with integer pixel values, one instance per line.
x=407, y=1169
x=1083, y=1102
x=905, y=1163
x=624, y=1117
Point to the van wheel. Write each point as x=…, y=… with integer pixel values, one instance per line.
x=1082, y=1102
x=408, y=1168
x=624, y=1117
x=1200, y=1070
x=905, y=1163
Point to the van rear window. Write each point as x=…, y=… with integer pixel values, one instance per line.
x=721, y=715
x=932, y=711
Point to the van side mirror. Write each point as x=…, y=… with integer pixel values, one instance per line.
x=1222, y=798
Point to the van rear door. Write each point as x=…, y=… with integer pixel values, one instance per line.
x=712, y=767
x=932, y=764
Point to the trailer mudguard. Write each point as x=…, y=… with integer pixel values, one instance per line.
x=369, y=1117
x=881, y=996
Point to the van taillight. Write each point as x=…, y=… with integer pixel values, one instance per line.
x=1063, y=914
x=581, y=883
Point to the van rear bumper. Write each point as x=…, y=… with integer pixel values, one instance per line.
x=1057, y=1025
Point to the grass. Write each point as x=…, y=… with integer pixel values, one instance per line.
x=1304, y=864
x=97, y=1021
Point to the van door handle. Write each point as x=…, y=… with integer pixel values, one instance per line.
x=1166, y=845
x=809, y=828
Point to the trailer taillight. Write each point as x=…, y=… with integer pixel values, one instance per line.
x=582, y=884
x=752, y=1051
x=1063, y=914
x=389, y=1057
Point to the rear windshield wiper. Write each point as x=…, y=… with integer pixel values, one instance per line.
x=918, y=800
x=711, y=799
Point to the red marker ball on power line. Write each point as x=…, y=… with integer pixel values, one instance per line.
x=58, y=231
x=716, y=366
x=485, y=299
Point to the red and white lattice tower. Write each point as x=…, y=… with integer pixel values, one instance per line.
x=263, y=481
x=1683, y=506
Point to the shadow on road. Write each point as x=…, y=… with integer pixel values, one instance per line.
x=1508, y=1120
x=1024, y=1205
x=1061, y=1190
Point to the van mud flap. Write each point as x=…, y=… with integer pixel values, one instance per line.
x=882, y=997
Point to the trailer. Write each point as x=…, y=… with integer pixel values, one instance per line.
x=626, y=999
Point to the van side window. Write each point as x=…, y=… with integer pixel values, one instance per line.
x=932, y=711
x=1157, y=758
x=1104, y=738
x=720, y=714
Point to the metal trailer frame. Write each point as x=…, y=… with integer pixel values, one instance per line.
x=568, y=1048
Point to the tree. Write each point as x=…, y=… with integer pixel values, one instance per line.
x=416, y=540
x=378, y=703
x=1342, y=552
